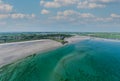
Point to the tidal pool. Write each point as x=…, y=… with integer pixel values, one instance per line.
x=88, y=60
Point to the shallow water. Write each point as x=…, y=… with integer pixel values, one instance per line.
x=89, y=60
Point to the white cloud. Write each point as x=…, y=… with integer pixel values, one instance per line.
x=115, y=15
x=58, y=3
x=42, y=2
x=72, y=13
x=5, y=7
x=68, y=13
x=101, y=19
x=66, y=2
x=44, y=11
x=53, y=4
x=5, y=10
x=103, y=1
x=22, y=16
x=16, y=16
x=87, y=15
x=77, y=3
x=90, y=5
x=72, y=16
x=4, y=16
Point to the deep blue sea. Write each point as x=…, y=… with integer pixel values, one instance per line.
x=88, y=60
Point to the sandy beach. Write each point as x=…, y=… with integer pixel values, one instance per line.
x=10, y=52
x=104, y=39
x=76, y=38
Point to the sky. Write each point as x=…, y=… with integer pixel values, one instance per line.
x=59, y=15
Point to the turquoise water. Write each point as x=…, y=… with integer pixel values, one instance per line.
x=89, y=60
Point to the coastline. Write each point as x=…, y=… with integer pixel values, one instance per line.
x=10, y=52
x=105, y=39
x=78, y=38
x=71, y=58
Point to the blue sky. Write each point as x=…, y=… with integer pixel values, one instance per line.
x=60, y=15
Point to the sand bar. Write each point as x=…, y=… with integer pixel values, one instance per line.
x=10, y=52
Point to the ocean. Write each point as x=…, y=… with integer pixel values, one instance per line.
x=88, y=60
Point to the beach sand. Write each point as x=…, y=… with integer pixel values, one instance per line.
x=76, y=38
x=10, y=52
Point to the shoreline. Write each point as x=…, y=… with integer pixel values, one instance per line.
x=10, y=52
x=78, y=38
x=105, y=39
